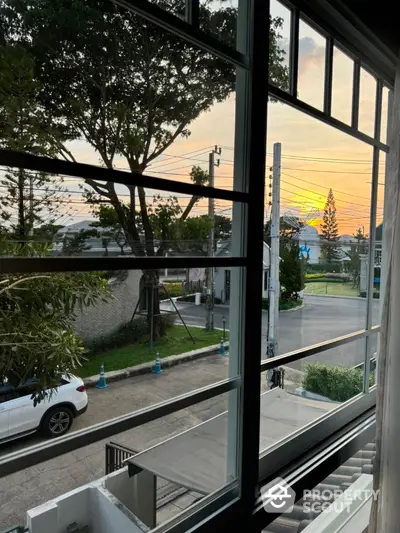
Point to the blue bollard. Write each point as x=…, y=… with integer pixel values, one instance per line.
x=101, y=384
x=157, y=367
x=222, y=347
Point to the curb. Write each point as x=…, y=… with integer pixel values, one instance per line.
x=336, y=296
x=146, y=368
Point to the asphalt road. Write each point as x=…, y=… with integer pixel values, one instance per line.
x=322, y=318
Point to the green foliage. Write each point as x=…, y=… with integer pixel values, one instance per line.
x=320, y=275
x=318, y=267
x=329, y=231
x=286, y=231
x=28, y=199
x=36, y=316
x=291, y=270
x=125, y=86
x=129, y=333
x=174, y=289
x=337, y=383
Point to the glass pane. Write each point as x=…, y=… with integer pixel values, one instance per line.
x=300, y=392
x=379, y=233
x=366, y=113
x=279, y=45
x=148, y=100
x=219, y=18
x=188, y=429
x=172, y=6
x=385, y=110
x=342, y=86
x=343, y=499
x=311, y=66
x=65, y=216
x=317, y=159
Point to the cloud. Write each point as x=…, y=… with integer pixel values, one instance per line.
x=311, y=54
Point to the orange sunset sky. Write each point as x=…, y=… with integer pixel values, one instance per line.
x=316, y=157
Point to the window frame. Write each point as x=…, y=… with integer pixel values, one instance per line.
x=235, y=501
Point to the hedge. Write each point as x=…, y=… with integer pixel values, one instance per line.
x=319, y=267
x=129, y=333
x=337, y=383
x=327, y=280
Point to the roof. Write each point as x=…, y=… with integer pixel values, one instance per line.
x=196, y=458
x=78, y=226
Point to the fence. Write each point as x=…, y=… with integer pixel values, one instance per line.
x=116, y=454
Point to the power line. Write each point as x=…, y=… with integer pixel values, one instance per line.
x=312, y=158
x=319, y=194
x=325, y=187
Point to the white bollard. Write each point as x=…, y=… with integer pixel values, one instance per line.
x=197, y=298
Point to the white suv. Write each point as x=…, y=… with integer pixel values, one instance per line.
x=53, y=416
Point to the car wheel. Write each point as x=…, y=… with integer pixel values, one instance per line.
x=57, y=422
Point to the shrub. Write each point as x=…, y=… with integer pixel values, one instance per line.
x=315, y=276
x=129, y=333
x=337, y=383
x=174, y=289
x=325, y=279
x=318, y=268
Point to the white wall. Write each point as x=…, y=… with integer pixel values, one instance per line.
x=91, y=505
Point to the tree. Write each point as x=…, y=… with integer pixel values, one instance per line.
x=127, y=88
x=27, y=199
x=287, y=231
x=292, y=271
x=329, y=230
x=109, y=226
x=353, y=255
x=222, y=227
x=36, y=316
x=362, y=240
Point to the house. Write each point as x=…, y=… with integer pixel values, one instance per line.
x=94, y=246
x=222, y=275
x=309, y=243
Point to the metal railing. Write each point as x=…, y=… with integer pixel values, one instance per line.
x=116, y=455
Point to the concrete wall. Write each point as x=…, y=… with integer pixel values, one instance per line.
x=137, y=493
x=105, y=317
x=91, y=506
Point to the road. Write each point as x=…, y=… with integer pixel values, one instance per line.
x=321, y=318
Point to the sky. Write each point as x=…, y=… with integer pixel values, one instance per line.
x=315, y=157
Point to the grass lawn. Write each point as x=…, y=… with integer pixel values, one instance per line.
x=331, y=289
x=175, y=342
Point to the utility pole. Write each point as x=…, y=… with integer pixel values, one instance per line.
x=30, y=205
x=274, y=285
x=210, y=277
